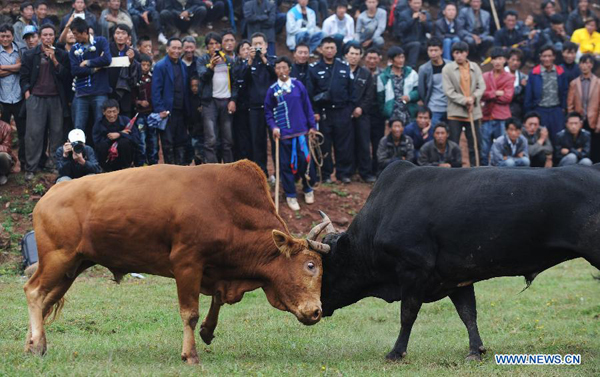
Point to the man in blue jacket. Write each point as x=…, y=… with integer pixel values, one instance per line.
x=546, y=92
x=290, y=117
x=170, y=99
x=89, y=58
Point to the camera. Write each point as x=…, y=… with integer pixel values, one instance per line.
x=258, y=50
x=217, y=52
x=77, y=147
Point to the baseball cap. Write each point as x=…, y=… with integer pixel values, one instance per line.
x=29, y=29
x=76, y=135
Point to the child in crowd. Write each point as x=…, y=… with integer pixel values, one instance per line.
x=195, y=123
x=143, y=100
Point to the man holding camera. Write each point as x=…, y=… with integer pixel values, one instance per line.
x=218, y=99
x=259, y=75
x=413, y=26
x=42, y=70
x=75, y=159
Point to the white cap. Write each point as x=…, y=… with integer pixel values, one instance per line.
x=76, y=135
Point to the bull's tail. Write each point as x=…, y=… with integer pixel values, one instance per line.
x=54, y=312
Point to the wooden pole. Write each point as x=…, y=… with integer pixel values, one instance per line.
x=475, y=141
x=496, y=20
x=277, y=175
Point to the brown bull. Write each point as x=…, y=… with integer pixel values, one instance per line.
x=213, y=228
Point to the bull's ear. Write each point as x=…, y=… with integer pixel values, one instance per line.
x=283, y=242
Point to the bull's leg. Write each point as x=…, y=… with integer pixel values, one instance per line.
x=409, y=309
x=188, y=289
x=464, y=301
x=209, y=324
x=43, y=290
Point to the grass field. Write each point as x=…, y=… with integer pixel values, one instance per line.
x=134, y=329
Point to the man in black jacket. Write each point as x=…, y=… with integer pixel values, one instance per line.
x=440, y=151
x=79, y=11
x=411, y=26
x=331, y=89
x=122, y=79
x=300, y=66
x=363, y=90
x=259, y=75
x=75, y=162
x=573, y=144
x=182, y=15
x=42, y=70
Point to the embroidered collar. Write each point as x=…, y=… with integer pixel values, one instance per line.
x=82, y=49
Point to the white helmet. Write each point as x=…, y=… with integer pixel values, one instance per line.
x=76, y=135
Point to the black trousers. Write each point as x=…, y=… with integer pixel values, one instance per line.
x=241, y=134
x=170, y=19
x=336, y=127
x=456, y=127
x=413, y=51
x=362, y=146
x=288, y=179
x=595, y=145
x=538, y=160
x=13, y=110
x=126, y=152
x=175, y=134
x=258, y=138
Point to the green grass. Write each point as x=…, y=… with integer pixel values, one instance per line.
x=134, y=329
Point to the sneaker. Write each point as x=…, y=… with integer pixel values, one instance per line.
x=193, y=34
x=346, y=180
x=327, y=180
x=293, y=204
x=29, y=176
x=370, y=179
x=162, y=39
x=309, y=197
x=3, y=180
x=209, y=25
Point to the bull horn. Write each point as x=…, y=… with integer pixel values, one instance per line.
x=314, y=232
x=326, y=219
x=318, y=246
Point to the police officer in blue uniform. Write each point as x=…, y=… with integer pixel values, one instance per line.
x=330, y=86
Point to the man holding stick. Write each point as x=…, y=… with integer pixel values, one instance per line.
x=290, y=117
x=464, y=86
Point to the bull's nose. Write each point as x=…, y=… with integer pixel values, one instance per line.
x=316, y=315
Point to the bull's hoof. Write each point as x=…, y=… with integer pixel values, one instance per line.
x=395, y=356
x=476, y=355
x=206, y=335
x=38, y=349
x=192, y=359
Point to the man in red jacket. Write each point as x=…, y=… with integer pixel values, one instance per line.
x=7, y=159
x=496, y=101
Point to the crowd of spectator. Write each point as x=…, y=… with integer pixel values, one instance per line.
x=380, y=81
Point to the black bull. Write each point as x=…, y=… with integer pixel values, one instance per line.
x=427, y=233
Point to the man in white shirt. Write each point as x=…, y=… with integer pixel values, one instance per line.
x=339, y=26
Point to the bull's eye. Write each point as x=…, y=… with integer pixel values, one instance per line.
x=310, y=265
